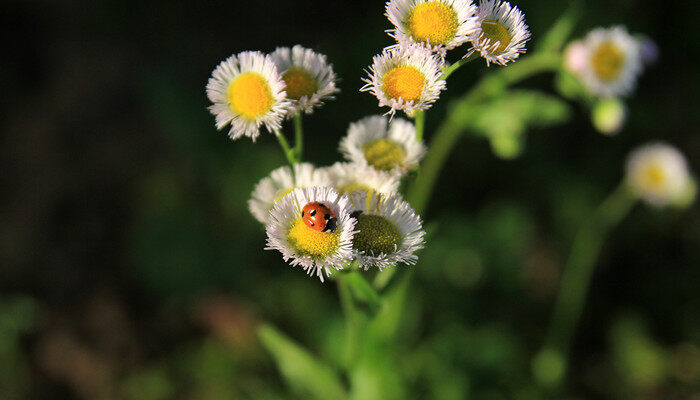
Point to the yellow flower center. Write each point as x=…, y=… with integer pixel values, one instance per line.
x=249, y=95
x=654, y=176
x=376, y=235
x=495, y=31
x=383, y=154
x=283, y=193
x=607, y=61
x=403, y=82
x=310, y=242
x=432, y=21
x=299, y=83
x=355, y=187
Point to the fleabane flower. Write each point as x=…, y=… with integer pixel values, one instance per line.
x=501, y=32
x=438, y=24
x=613, y=62
x=388, y=231
x=658, y=174
x=386, y=146
x=316, y=251
x=307, y=76
x=280, y=182
x=405, y=78
x=353, y=177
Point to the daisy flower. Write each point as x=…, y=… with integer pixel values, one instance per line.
x=247, y=92
x=613, y=62
x=501, y=32
x=658, y=174
x=316, y=251
x=405, y=78
x=308, y=78
x=439, y=24
x=280, y=182
x=388, y=231
x=391, y=147
x=348, y=178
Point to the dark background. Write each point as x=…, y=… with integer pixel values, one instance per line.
x=131, y=268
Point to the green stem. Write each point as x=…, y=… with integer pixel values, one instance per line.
x=353, y=318
x=577, y=276
x=288, y=152
x=454, y=67
x=419, y=119
x=298, y=137
x=449, y=132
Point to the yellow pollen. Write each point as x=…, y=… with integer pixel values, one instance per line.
x=654, y=176
x=383, y=154
x=607, y=61
x=432, y=21
x=495, y=31
x=250, y=96
x=403, y=82
x=376, y=235
x=283, y=193
x=310, y=242
x=299, y=83
x=356, y=187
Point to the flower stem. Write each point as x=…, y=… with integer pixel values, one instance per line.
x=288, y=152
x=575, y=283
x=419, y=119
x=298, y=137
x=353, y=318
x=454, y=67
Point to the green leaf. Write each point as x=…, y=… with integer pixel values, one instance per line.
x=505, y=119
x=305, y=374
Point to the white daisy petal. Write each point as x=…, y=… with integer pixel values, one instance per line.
x=405, y=78
x=613, y=62
x=315, y=251
x=438, y=24
x=280, y=182
x=658, y=173
x=348, y=178
x=388, y=231
x=501, y=32
x=308, y=78
x=247, y=92
x=387, y=146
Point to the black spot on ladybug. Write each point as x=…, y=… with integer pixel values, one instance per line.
x=312, y=224
x=355, y=214
x=326, y=217
x=302, y=214
x=322, y=205
x=331, y=225
x=312, y=213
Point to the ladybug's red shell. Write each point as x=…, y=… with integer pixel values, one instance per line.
x=319, y=216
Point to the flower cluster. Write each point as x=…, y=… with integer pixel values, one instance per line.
x=410, y=74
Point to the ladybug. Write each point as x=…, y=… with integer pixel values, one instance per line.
x=319, y=217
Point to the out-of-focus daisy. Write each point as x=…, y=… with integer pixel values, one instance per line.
x=405, y=78
x=438, y=24
x=247, y=92
x=316, y=251
x=388, y=231
x=308, y=78
x=501, y=32
x=352, y=177
x=280, y=182
x=613, y=62
x=383, y=145
x=657, y=173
